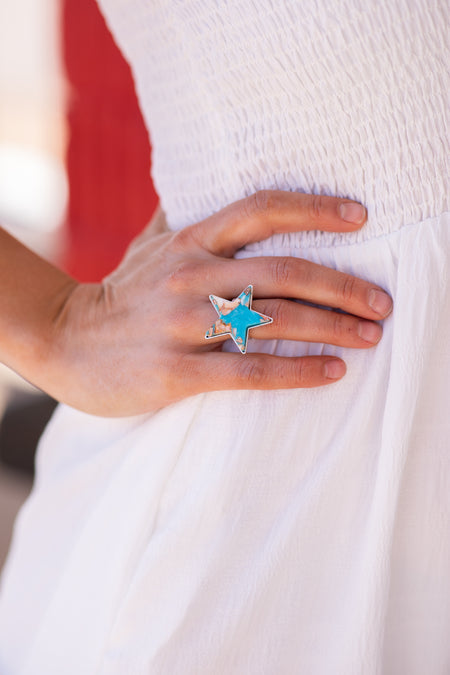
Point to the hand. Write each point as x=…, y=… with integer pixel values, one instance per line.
x=136, y=342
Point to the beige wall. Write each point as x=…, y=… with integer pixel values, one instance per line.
x=33, y=186
x=31, y=82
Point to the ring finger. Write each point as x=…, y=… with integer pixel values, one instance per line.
x=296, y=321
x=291, y=321
x=290, y=277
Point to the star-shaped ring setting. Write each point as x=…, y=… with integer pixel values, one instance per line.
x=236, y=317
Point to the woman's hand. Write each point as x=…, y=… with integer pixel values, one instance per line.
x=136, y=342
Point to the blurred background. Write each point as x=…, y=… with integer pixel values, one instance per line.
x=74, y=179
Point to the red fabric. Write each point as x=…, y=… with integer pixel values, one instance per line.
x=108, y=158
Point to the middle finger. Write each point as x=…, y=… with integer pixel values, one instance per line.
x=289, y=277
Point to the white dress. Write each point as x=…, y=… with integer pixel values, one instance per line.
x=278, y=532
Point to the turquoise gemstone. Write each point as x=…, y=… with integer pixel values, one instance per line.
x=236, y=317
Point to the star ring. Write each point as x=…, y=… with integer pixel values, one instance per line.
x=236, y=317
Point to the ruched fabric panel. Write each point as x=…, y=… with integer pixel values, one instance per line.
x=345, y=98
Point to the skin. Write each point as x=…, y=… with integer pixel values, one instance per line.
x=135, y=342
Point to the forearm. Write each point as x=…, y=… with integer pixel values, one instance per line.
x=32, y=295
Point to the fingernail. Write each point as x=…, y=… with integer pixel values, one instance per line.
x=334, y=369
x=380, y=302
x=369, y=331
x=352, y=212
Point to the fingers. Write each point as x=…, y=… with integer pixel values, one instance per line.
x=267, y=212
x=294, y=321
x=304, y=280
x=217, y=371
x=296, y=278
x=291, y=321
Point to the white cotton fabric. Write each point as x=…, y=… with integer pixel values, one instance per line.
x=277, y=532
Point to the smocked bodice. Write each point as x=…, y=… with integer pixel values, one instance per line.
x=334, y=98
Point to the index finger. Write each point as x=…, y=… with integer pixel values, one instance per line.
x=268, y=212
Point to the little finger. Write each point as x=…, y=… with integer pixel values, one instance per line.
x=216, y=371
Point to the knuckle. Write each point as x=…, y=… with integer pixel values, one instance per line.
x=301, y=371
x=282, y=271
x=347, y=288
x=316, y=207
x=184, y=240
x=182, y=276
x=252, y=371
x=263, y=200
x=307, y=371
x=338, y=325
x=257, y=204
x=279, y=316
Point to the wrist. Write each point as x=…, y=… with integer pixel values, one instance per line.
x=32, y=294
x=29, y=341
